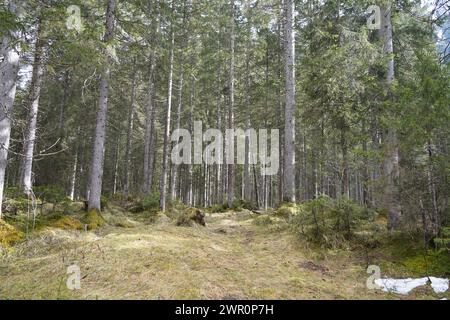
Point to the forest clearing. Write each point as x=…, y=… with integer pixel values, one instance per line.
x=224, y=149
x=237, y=255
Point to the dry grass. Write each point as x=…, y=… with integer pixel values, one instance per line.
x=230, y=258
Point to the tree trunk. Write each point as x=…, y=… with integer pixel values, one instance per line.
x=289, y=131
x=231, y=173
x=96, y=174
x=33, y=107
x=174, y=177
x=391, y=168
x=130, y=136
x=435, y=216
x=247, y=178
x=150, y=112
x=73, y=177
x=9, y=68
x=190, y=192
x=115, y=165
x=163, y=181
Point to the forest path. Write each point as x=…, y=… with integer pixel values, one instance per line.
x=230, y=258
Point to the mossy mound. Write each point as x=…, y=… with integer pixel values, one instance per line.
x=191, y=217
x=160, y=218
x=263, y=221
x=8, y=234
x=287, y=211
x=93, y=219
x=67, y=223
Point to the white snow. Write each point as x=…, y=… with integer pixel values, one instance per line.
x=405, y=286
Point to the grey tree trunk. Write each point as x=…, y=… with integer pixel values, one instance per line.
x=130, y=136
x=219, y=184
x=33, y=107
x=73, y=178
x=231, y=173
x=9, y=68
x=150, y=112
x=391, y=168
x=174, y=176
x=163, y=181
x=289, y=130
x=247, y=194
x=96, y=173
x=190, y=191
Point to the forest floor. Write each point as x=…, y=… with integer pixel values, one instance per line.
x=230, y=258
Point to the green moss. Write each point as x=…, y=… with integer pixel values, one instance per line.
x=431, y=263
x=8, y=234
x=67, y=223
x=287, y=211
x=262, y=220
x=93, y=219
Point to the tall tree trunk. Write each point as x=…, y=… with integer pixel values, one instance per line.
x=73, y=177
x=163, y=181
x=435, y=216
x=150, y=111
x=247, y=176
x=190, y=191
x=33, y=107
x=345, y=169
x=9, y=68
x=289, y=130
x=115, y=165
x=391, y=168
x=130, y=136
x=231, y=173
x=62, y=113
x=96, y=173
x=365, y=173
x=174, y=177
x=219, y=181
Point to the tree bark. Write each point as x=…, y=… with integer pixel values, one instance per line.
x=391, y=168
x=247, y=177
x=231, y=173
x=96, y=174
x=289, y=131
x=150, y=112
x=33, y=107
x=174, y=177
x=163, y=181
x=9, y=69
x=130, y=136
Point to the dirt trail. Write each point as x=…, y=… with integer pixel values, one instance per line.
x=231, y=258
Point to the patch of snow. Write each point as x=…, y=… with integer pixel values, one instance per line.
x=405, y=286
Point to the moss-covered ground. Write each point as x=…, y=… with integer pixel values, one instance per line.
x=238, y=255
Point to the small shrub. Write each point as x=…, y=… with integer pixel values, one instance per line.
x=218, y=208
x=103, y=202
x=49, y=194
x=328, y=222
x=443, y=242
x=150, y=203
